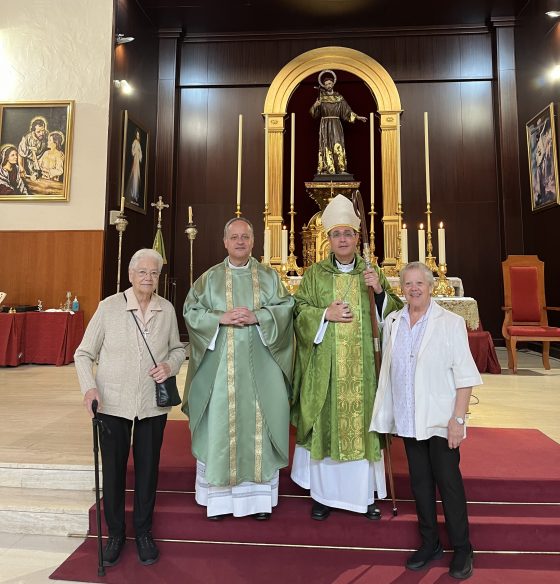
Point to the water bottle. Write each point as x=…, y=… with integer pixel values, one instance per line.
x=75, y=304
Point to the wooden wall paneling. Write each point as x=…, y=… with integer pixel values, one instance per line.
x=165, y=139
x=537, y=45
x=45, y=264
x=478, y=246
x=407, y=55
x=507, y=140
x=137, y=62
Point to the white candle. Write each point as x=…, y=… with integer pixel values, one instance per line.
x=266, y=258
x=399, y=188
x=122, y=204
x=421, y=244
x=427, y=152
x=441, y=243
x=372, y=160
x=265, y=159
x=284, y=259
x=293, y=157
x=190, y=214
x=404, y=244
x=239, y=151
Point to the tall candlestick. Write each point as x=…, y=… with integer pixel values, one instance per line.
x=399, y=188
x=266, y=258
x=371, y=160
x=190, y=214
x=292, y=160
x=239, y=151
x=404, y=244
x=441, y=243
x=122, y=204
x=427, y=154
x=265, y=159
x=421, y=244
x=284, y=259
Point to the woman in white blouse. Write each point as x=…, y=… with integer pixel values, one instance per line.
x=426, y=379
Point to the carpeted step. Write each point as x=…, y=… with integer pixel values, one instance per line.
x=493, y=526
x=236, y=564
x=508, y=465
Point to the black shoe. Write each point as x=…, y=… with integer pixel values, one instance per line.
x=113, y=549
x=319, y=511
x=262, y=516
x=373, y=512
x=461, y=565
x=421, y=558
x=147, y=549
x=215, y=517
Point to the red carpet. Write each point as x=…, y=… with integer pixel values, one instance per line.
x=519, y=466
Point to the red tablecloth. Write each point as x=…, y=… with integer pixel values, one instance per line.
x=11, y=338
x=40, y=337
x=483, y=351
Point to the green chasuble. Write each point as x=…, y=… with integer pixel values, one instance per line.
x=334, y=381
x=237, y=395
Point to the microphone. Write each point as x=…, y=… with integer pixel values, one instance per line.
x=94, y=405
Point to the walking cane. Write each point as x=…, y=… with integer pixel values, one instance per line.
x=96, y=422
x=359, y=210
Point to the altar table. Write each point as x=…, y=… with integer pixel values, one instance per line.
x=40, y=337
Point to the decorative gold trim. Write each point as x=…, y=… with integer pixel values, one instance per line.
x=258, y=442
x=388, y=101
x=231, y=384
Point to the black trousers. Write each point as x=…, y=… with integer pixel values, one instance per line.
x=115, y=447
x=431, y=462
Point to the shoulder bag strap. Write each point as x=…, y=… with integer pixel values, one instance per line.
x=141, y=333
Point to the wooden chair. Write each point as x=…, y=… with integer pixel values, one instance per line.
x=525, y=307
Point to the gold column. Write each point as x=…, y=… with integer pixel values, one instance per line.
x=389, y=172
x=275, y=163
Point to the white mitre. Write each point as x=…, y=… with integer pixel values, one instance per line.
x=340, y=213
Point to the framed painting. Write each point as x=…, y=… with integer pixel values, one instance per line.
x=36, y=150
x=134, y=178
x=543, y=160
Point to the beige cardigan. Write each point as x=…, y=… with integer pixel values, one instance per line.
x=121, y=376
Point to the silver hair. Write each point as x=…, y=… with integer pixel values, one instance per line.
x=428, y=274
x=146, y=253
x=238, y=219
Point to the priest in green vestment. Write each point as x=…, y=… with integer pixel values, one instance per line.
x=336, y=457
x=239, y=317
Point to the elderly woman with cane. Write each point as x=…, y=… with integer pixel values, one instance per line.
x=423, y=395
x=124, y=330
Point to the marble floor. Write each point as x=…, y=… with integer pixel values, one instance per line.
x=43, y=422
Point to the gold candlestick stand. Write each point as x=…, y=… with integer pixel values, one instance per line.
x=191, y=232
x=430, y=259
x=120, y=226
x=292, y=265
x=442, y=286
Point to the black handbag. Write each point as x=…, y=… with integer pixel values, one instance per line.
x=167, y=394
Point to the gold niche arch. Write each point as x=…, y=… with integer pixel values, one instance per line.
x=389, y=110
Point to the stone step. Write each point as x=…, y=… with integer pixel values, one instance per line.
x=45, y=511
x=51, y=476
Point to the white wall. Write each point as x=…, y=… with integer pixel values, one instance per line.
x=61, y=49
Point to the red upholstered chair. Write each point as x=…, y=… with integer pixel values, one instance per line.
x=525, y=307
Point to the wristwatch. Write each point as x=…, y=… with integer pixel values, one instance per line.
x=460, y=420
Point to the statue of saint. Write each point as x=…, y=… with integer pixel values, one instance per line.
x=331, y=107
